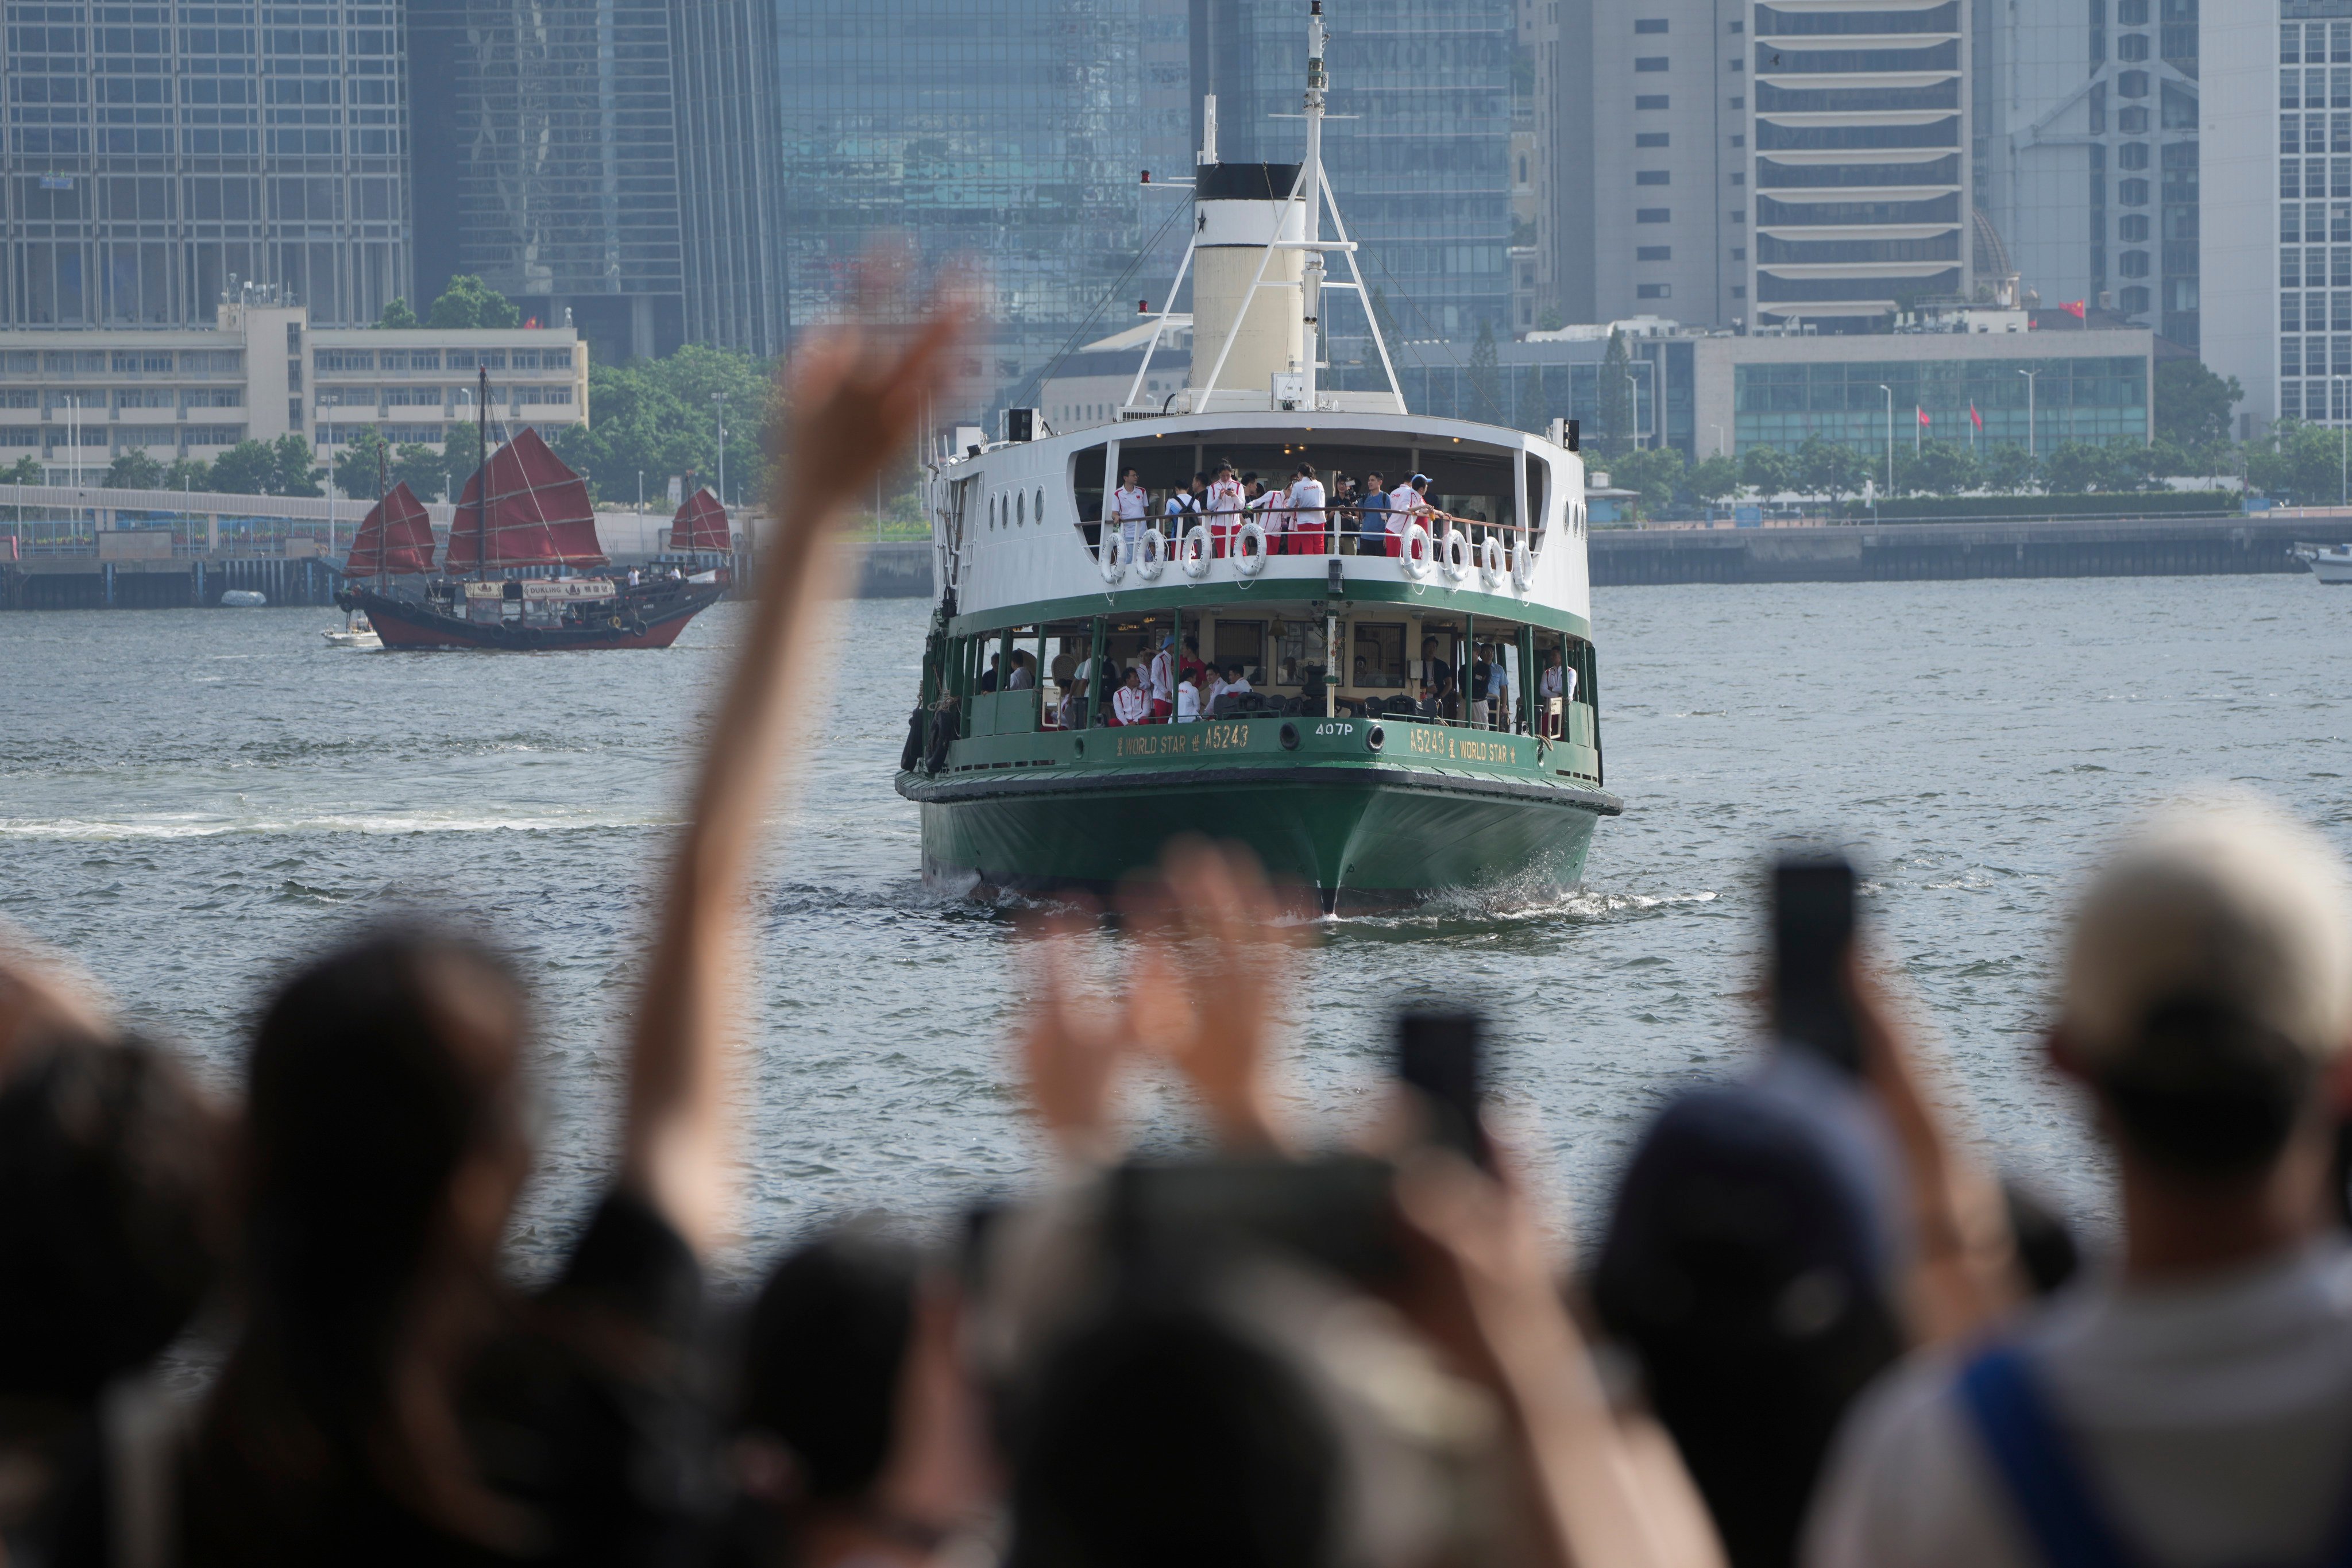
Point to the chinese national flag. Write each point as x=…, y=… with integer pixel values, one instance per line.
x=1922, y=414
x=2074, y=308
x=1974, y=417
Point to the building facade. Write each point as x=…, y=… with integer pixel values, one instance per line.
x=1858, y=127
x=159, y=157
x=77, y=400
x=608, y=161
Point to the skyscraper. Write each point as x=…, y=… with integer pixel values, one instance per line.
x=1858, y=131
x=1418, y=146
x=603, y=157
x=156, y=152
x=1009, y=130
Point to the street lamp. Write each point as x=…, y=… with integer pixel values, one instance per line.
x=1634, y=407
x=1890, y=435
x=2338, y=412
x=2031, y=450
x=719, y=402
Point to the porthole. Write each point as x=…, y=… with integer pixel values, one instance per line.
x=1041, y=503
x=1020, y=509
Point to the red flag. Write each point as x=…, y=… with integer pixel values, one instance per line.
x=2074, y=308
x=1922, y=414
x=1975, y=417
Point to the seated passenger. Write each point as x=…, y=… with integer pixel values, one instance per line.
x=1235, y=679
x=1025, y=673
x=1072, y=709
x=1129, y=705
x=1188, y=699
x=1304, y=503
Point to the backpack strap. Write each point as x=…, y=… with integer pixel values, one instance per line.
x=2069, y=1526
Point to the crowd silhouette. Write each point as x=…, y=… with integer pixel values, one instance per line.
x=1812, y=1325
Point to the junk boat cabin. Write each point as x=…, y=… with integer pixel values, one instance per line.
x=1384, y=702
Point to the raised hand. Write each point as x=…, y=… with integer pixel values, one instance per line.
x=1072, y=1049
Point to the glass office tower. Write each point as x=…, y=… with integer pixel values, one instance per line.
x=157, y=152
x=1010, y=133
x=1422, y=170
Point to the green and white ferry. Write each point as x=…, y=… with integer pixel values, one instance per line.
x=1347, y=767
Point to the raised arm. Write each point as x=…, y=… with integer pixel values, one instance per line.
x=855, y=397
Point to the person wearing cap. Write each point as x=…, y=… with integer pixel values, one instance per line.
x=2192, y=1404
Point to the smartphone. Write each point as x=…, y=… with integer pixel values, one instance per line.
x=1813, y=935
x=1438, y=1054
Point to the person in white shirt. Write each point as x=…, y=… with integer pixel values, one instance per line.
x=2193, y=1403
x=1223, y=505
x=1560, y=678
x=1188, y=700
x=1162, y=686
x=1024, y=676
x=1070, y=713
x=1130, y=505
x=1183, y=508
x=1306, y=511
x=1127, y=704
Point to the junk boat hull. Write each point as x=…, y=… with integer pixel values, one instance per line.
x=655, y=622
x=1357, y=833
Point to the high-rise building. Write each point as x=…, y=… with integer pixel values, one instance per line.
x=1418, y=145
x=1858, y=128
x=2086, y=166
x=1009, y=130
x=159, y=155
x=603, y=159
x=2276, y=89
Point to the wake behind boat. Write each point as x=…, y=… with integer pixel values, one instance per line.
x=524, y=511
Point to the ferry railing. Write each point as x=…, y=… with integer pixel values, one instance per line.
x=1339, y=530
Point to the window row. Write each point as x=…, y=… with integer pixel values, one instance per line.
x=2314, y=43
x=2314, y=133
x=2311, y=266
x=2309, y=356
x=2315, y=88
x=2316, y=312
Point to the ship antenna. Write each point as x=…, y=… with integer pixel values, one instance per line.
x=482, y=479
x=1311, y=279
x=382, y=457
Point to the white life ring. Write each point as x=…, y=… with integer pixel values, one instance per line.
x=1193, y=551
x=1151, y=555
x=1114, y=555
x=1247, y=562
x=1414, y=556
x=1454, y=553
x=1523, y=565
x=1491, y=565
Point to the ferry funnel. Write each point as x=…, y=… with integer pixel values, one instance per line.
x=1238, y=210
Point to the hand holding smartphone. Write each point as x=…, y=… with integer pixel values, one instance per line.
x=1813, y=922
x=1438, y=1055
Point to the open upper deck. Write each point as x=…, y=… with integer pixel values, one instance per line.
x=1019, y=536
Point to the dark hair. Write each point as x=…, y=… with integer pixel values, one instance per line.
x=1199, y=477
x=1371, y=474
x=377, y=1072
x=1194, y=643
x=1168, y=1441
x=823, y=1352
x=110, y=1182
x=1249, y=477
x=2205, y=1091
x=1304, y=471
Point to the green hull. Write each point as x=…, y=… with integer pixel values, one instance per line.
x=1361, y=833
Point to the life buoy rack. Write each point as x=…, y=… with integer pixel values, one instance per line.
x=1249, y=563
x=1417, y=554
x=1491, y=562
x=1455, y=555
x=1114, y=555
x=1193, y=551
x=1151, y=555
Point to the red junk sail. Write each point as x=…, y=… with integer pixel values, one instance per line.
x=537, y=514
x=700, y=525
x=396, y=536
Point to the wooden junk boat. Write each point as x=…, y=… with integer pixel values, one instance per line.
x=524, y=511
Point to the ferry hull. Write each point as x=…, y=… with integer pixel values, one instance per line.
x=1360, y=839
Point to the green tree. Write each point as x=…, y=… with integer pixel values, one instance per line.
x=1829, y=468
x=1653, y=471
x=1940, y=467
x=2299, y=462
x=2192, y=403
x=470, y=303
x=294, y=470
x=188, y=474
x=356, y=464
x=2010, y=469
x=1616, y=389
x=2077, y=466
x=1485, y=381
x=1766, y=470
x=397, y=315
x=1711, y=479
x=660, y=417
x=247, y=469
x=424, y=470
x=134, y=470
x=26, y=470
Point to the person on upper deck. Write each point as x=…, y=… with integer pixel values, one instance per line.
x=1130, y=505
x=1306, y=504
x=1184, y=506
x=1408, y=504
x=1223, y=505
x=1372, y=510
x=1127, y=704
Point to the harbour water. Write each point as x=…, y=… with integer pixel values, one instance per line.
x=189, y=799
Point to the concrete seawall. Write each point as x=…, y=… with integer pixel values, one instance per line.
x=1925, y=552
x=896, y=569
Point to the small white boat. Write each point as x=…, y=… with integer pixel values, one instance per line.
x=2331, y=563
x=244, y=599
x=355, y=632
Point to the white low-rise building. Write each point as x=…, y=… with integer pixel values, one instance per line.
x=76, y=399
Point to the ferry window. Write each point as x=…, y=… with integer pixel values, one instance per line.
x=1020, y=509
x=1378, y=655
x=1242, y=642
x=1041, y=503
x=1298, y=653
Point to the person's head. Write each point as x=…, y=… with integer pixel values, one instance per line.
x=1372, y=483
x=1304, y=471
x=1193, y=646
x=1559, y=656
x=1233, y=671
x=1200, y=482
x=2206, y=998
x=1429, y=648
x=1128, y=477
x=111, y=1182
x=824, y=1352
x=1419, y=482
x=1225, y=470
x=1134, y=677
x=993, y=657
